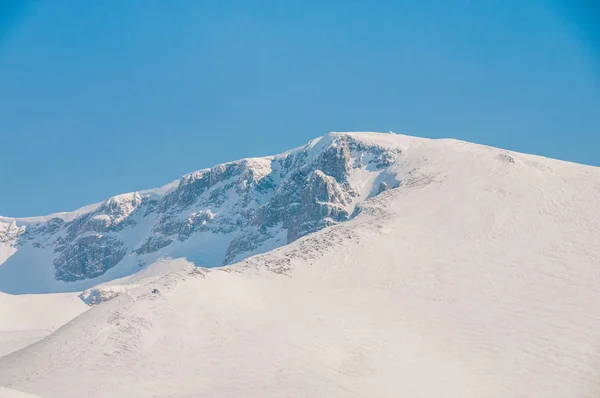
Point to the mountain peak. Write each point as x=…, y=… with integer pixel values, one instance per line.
x=212, y=216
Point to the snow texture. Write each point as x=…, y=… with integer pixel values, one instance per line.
x=24, y=319
x=7, y=393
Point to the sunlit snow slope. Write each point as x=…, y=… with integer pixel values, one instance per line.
x=478, y=276
x=8, y=393
x=24, y=319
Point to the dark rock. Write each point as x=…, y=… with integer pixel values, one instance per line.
x=88, y=257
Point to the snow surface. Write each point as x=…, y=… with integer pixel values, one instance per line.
x=25, y=319
x=477, y=277
x=8, y=393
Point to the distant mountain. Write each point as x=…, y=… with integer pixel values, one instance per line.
x=212, y=217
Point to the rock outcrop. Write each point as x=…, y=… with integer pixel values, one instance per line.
x=248, y=206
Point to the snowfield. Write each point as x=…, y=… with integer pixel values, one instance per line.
x=7, y=393
x=479, y=276
x=25, y=319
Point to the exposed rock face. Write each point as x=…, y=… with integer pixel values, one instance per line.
x=382, y=187
x=153, y=244
x=252, y=205
x=10, y=232
x=88, y=257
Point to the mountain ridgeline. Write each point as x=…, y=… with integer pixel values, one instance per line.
x=213, y=217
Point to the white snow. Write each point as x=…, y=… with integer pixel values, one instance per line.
x=25, y=319
x=8, y=393
x=477, y=277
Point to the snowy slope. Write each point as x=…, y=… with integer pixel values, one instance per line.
x=8, y=393
x=477, y=277
x=26, y=319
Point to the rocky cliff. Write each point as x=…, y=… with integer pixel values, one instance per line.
x=213, y=217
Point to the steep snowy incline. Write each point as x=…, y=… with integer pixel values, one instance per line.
x=211, y=217
x=477, y=277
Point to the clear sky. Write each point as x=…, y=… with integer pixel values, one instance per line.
x=105, y=97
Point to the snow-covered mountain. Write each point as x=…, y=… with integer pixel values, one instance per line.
x=212, y=217
x=475, y=274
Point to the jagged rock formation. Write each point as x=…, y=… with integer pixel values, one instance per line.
x=213, y=216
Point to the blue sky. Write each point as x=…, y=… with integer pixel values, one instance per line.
x=101, y=98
